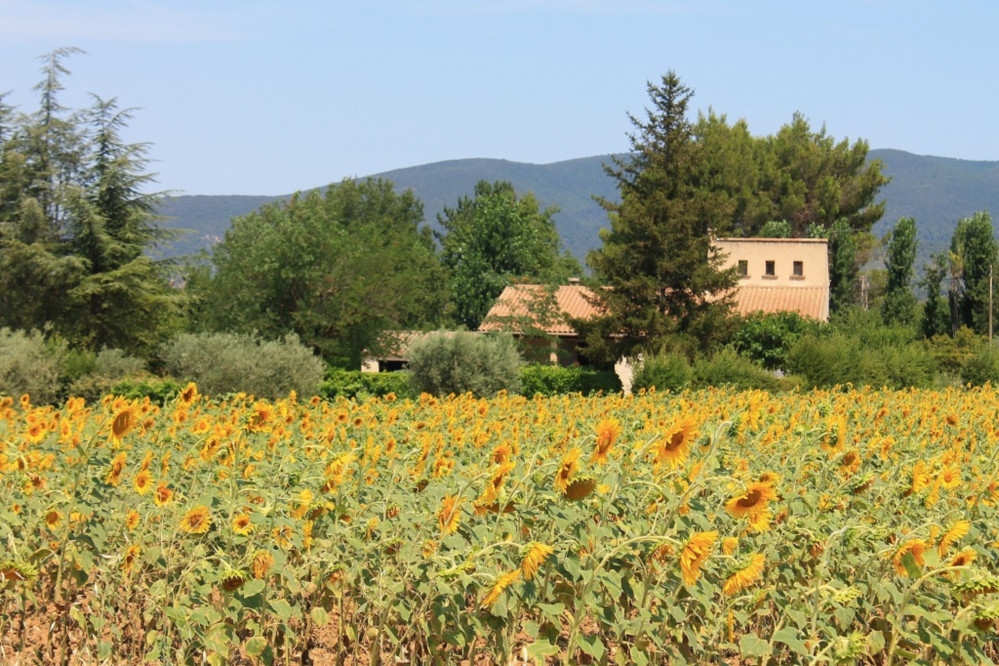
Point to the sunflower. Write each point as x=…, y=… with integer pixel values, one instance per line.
x=123, y=422
x=113, y=477
x=52, y=519
x=729, y=544
x=449, y=515
x=963, y=558
x=495, y=485
x=241, y=523
x=753, y=505
x=914, y=547
x=608, y=431
x=695, y=554
x=233, y=579
x=163, y=494
x=143, y=482
x=580, y=488
x=536, y=555
x=746, y=576
x=505, y=581
x=565, y=471
x=197, y=520
x=952, y=536
x=189, y=394
x=920, y=477
x=129, y=558
x=262, y=563
x=674, y=448
x=131, y=520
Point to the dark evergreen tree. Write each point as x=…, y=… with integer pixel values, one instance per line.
x=974, y=254
x=75, y=225
x=899, y=304
x=657, y=256
x=842, y=266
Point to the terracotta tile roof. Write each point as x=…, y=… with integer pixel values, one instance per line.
x=513, y=308
x=395, y=344
x=807, y=301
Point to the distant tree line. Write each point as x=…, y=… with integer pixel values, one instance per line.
x=340, y=267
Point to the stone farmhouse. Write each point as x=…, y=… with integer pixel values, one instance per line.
x=775, y=275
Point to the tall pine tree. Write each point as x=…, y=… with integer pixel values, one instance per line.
x=657, y=255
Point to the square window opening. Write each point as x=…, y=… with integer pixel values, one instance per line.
x=771, y=268
x=743, y=268
x=798, y=269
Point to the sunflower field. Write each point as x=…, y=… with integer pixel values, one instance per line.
x=845, y=526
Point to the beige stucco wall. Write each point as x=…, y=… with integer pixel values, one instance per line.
x=783, y=252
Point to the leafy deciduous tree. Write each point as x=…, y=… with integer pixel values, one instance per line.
x=974, y=253
x=496, y=238
x=337, y=269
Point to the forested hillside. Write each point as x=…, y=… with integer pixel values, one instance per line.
x=937, y=191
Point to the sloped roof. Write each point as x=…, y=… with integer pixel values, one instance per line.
x=522, y=305
x=810, y=302
x=513, y=308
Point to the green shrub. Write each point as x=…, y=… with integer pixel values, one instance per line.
x=982, y=367
x=727, y=368
x=483, y=365
x=766, y=338
x=353, y=383
x=952, y=353
x=550, y=380
x=234, y=362
x=106, y=368
x=665, y=371
x=159, y=391
x=30, y=364
x=829, y=360
x=910, y=365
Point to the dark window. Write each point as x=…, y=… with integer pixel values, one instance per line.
x=743, y=268
x=771, y=270
x=798, y=269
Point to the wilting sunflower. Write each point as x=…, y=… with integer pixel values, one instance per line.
x=129, y=558
x=262, y=563
x=952, y=536
x=580, y=488
x=746, y=576
x=568, y=467
x=674, y=448
x=113, y=477
x=536, y=555
x=197, y=520
x=495, y=485
x=695, y=554
x=753, y=505
x=608, y=431
x=449, y=515
x=52, y=519
x=914, y=547
x=963, y=558
x=505, y=581
x=124, y=421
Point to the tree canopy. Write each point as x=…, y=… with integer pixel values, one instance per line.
x=337, y=268
x=496, y=238
x=76, y=225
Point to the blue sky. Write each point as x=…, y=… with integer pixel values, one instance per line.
x=268, y=97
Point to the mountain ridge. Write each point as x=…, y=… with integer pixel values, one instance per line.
x=936, y=191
